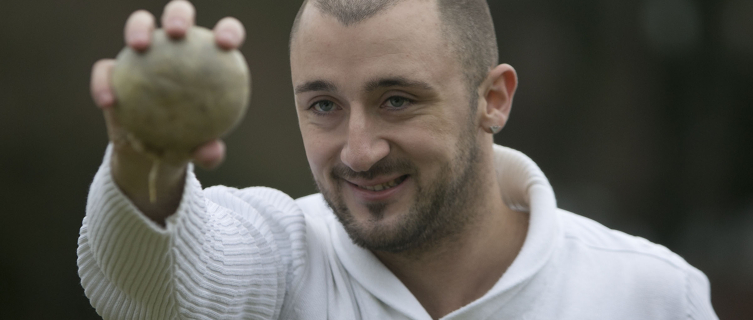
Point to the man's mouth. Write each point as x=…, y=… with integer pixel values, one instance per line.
x=384, y=186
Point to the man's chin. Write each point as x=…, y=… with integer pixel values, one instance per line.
x=377, y=212
x=372, y=225
x=376, y=226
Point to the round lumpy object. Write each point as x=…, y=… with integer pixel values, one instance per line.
x=180, y=93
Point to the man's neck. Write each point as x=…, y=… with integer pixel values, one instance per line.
x=462, y=270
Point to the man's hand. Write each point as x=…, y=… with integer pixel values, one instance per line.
x=130, y=168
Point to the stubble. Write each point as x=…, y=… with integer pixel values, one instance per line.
x=442, y=206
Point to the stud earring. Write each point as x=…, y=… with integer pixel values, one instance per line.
x=495, y=129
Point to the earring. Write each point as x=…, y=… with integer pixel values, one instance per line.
x=495, y=129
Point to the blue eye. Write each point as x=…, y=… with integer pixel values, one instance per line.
x=323, y=106
x=397, y=102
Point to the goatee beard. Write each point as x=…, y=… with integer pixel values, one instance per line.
x=438, y=213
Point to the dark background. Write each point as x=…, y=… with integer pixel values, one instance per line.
x=639, y=112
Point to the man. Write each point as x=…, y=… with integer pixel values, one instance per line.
x=420, y=216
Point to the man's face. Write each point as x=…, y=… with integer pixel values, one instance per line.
x=386, y=122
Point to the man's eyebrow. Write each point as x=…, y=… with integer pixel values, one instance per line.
x=396, y=82
x=316, y=85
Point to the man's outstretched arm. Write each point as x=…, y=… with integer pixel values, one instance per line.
x=205, y=254
x=224, y=253
x=130, y=168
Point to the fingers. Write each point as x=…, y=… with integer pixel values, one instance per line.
x=100, y=83
x=209, y=155
x=179, y=15
x=177, y=18
x=229, y=33
x=138, y=30
x=114, y=131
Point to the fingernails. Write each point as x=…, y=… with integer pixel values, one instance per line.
x=176, y=23
x=139, y=37
x=225, y=36
x=226, y=39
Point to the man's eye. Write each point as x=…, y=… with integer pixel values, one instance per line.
x=323, y=106
x=396, y=102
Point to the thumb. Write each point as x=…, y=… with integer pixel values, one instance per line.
x=209, y=155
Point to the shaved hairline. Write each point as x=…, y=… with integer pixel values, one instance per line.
x=466, y=25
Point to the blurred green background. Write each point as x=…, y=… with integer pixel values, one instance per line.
x=639, y=112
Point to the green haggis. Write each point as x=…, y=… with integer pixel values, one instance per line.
x=180, y=93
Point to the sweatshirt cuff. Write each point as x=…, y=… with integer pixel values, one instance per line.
x=124, y=245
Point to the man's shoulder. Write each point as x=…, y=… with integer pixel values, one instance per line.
x=590, y=236
x=637, y=271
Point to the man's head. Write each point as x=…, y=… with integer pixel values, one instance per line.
x=465, y=24
x=394, y=109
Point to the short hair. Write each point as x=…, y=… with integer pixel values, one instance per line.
x=466, y=24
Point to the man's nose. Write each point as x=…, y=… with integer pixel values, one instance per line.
x=365, y=145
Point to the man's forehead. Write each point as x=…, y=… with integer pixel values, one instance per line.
x=370, y=85
x=349, y=12
x=359, y=18
x=405, y=34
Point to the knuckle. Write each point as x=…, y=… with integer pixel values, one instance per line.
x=100, y=69
x=98, y=64
x=100, y=84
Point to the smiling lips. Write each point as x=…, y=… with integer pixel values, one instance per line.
x=384, y=186
x=377, y=189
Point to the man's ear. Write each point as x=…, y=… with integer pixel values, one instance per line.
x=497, y=90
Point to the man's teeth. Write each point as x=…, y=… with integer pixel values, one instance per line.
x=385, y=185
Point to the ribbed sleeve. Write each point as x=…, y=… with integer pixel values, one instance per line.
x=225, y=253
